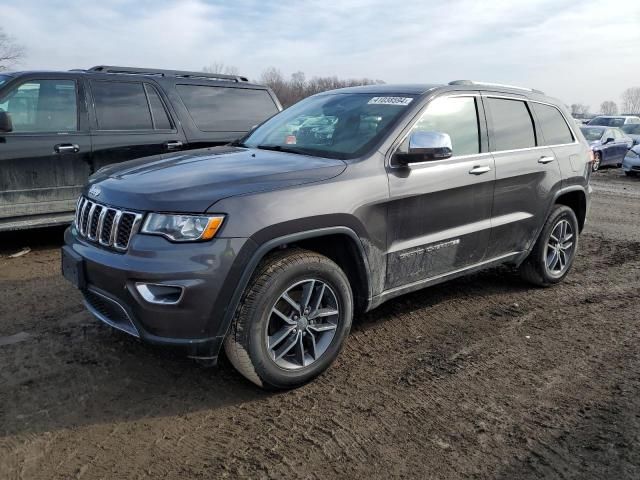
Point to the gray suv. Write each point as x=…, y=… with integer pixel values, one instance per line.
x=269, y=245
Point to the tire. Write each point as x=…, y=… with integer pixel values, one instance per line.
x=252, y=345
x=536, y=269
x=630, y=174
x=597, y=160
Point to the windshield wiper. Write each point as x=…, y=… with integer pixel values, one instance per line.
x=280, y=148
x=238, y=143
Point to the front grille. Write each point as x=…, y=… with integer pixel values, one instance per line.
x=107, y=226
x=109, y=311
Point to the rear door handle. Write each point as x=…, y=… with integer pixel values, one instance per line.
x=173, y=145
x=546, y=159
x=66, y=148
x=479, y=170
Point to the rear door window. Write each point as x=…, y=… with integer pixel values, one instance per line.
x=43, y=106
x=511, y=125
x=121, y=105
x=553, y=125
x=224, y=109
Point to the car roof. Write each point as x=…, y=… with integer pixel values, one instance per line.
x=384, y=88
x=464, y=85
x=149, y=75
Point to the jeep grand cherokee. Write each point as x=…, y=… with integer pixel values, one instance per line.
x=268, y=246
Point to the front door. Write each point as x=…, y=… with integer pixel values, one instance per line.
x=45, y=159
x=439, y=213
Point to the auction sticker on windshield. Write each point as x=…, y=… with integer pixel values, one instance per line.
x=390, y=101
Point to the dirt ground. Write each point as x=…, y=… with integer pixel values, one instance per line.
x=482, y=377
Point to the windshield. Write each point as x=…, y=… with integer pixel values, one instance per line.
x=591, y=134
x=633, y=129
x=3, y=79
x=341, y=125
x=608, y=121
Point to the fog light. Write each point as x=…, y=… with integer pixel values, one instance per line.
x=160, y=294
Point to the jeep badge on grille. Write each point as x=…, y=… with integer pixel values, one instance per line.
x=94, y=191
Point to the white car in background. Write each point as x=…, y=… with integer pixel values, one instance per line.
x=614, y=120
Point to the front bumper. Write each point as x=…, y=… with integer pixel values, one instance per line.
x=631, y=163
x=207, y=272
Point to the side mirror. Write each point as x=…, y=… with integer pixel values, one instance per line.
x=5, y=122
x=608, y=140
x=426, y=146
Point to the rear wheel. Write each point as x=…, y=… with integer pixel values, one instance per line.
x=552, y=256
x=293, y=320
x=597, y=159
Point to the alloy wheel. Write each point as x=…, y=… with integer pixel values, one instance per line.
x=302, y=323
x=560, y=248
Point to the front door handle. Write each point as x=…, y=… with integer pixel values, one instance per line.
x=66, y=148
x=546, y=159
x=479, y=170
x=173, y=145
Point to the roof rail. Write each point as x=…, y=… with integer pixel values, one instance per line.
x=166, y=73
x=489, y=84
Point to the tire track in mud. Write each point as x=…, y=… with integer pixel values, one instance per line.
x=442, y=383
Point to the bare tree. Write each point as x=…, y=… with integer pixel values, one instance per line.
x=220, y=67
x=298, y=87
x=272, y=77
x=631, y=100
x=10, y=52
x=609, y=107
x=579, y=109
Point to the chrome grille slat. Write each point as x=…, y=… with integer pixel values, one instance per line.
x=92, y=212
x=107, y=226
x=83, y=217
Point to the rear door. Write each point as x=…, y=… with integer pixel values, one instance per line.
x=130, y=119
x=44, y=161
x=527, y=172
x=439, y=213
x=555, y=132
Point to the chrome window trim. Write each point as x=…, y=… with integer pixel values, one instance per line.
x=524, y=99
x=479, y=94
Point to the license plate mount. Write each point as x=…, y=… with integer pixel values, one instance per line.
x=73, y=267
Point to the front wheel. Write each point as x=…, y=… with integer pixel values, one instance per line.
x=552, y=256
x=292, y=321
x=597, y=160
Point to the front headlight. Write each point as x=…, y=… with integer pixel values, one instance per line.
x=182, y=228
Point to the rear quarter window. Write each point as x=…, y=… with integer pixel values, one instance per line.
x=555, y=130
x=224, y=109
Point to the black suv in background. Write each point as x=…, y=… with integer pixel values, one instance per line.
x=269, y=245
x=57, y=128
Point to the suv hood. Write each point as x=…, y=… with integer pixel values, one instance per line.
x=194, y=180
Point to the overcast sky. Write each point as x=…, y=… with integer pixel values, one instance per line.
x=582, y=51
